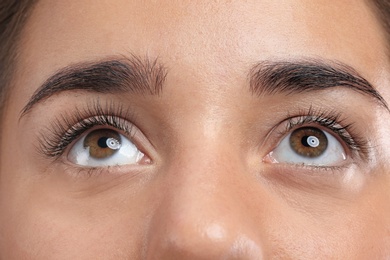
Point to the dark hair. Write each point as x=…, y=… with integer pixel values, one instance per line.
x=382, y=9
x=14, y=13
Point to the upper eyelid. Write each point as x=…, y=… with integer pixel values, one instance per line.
x=55, y=144
x=63, y=122
x=355, y=143
x=93, y=113
x=139, y=75
x=127, y=74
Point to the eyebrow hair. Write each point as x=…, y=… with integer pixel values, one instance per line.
x=294, y=77
x=127, y=74
x=146, y=77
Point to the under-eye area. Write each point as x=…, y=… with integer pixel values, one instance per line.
x=194, y=129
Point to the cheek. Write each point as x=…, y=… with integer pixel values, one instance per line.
x=344, y=235
x=43, y=217
x=301, y=224
x=43, y=228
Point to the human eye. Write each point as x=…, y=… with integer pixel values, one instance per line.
x=95, y=137
x=316, y=139
x=104, y=147
x=309, y=146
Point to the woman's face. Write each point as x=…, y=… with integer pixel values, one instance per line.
x=197, y=129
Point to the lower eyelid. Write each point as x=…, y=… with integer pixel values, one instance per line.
x=94, y=150
x=104, y=173
x=334, y=181
x=281, y=131
x=78, y=171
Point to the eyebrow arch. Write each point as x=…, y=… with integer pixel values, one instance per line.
x=125, y=74
x=294, y=77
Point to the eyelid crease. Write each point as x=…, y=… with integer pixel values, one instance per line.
x=68, y=127
x=332, y=120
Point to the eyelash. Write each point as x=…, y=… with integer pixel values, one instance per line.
x=67, y=128
x=331, y=120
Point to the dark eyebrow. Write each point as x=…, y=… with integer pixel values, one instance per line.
x=126, y=74
x=292, y=77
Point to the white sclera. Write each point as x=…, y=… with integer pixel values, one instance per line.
x=333, y=155
x=127, y=153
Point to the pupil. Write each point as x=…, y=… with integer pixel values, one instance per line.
x=308, y=142
x=102, y=142
x=304, y=141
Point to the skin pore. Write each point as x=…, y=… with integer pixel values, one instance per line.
x=204, y=96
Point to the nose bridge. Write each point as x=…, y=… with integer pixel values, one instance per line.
x=202, y=214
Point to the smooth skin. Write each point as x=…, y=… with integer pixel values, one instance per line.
x=207, y=189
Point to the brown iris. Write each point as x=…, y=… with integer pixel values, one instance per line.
x=308, y=141
x=102, y=143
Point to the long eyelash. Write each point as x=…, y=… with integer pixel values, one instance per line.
x=68, y=127
x=333, y=121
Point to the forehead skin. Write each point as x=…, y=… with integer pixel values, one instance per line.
x=217, y=36
x=208, y=48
